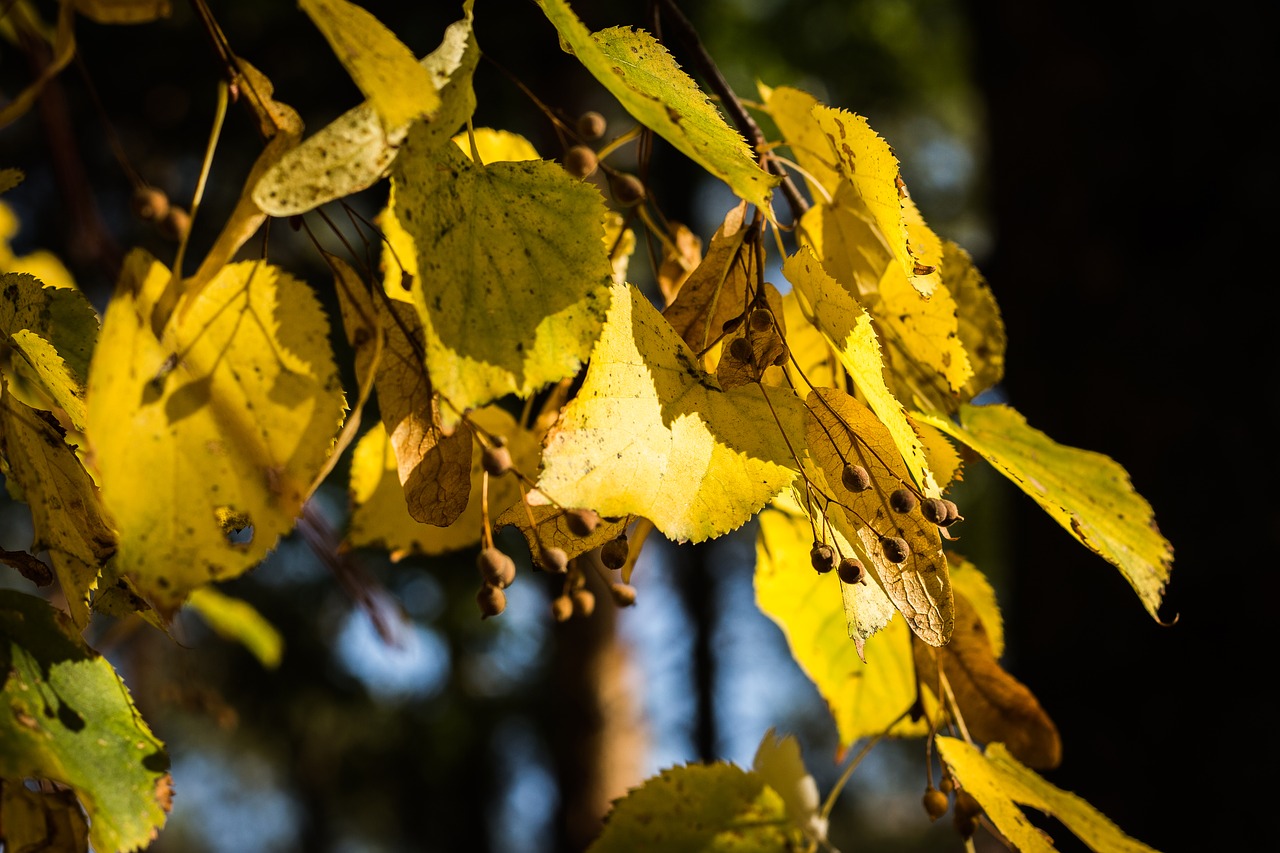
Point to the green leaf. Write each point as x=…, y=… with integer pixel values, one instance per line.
x=68, y=718
x=1088, y=493
x=1000, y=783
x=237, y=620
x=648, y=83
x=718, y=807
x=513, y=274
x=223, y=424
x=651, y=434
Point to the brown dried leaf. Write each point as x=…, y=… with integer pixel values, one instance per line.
x=680, y=258
x=995, y=706
x=840, y=431
x=553, y=530
x=716, y=291
x=767, y=345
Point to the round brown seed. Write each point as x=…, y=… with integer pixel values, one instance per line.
x=822, y=557
x=492, y=600
x=903, y=500
x=592, y=125
x=895, y=549
x=934, y=510
x=852, y=571
x=855, y=478
x=935, y=803
x=614, y=552
x=580, y=161
x=495, y=567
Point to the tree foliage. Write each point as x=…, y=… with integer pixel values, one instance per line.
x=517, y=378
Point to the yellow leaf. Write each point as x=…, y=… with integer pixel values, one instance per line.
x=10, y=178
x=657, y=92
x=867, y=162
x=650, y=434
x=792, y=111
x=716, y=291
x=1088, y=493
x=237, y=620
x=124, y=11
x=779, y=763
x=981, y=328
x=41, y=264
x=66, y=516
x=999, y=783
x=380, y=517
x=222, y=424
x=42, y=820
x=513, y=275
x=495, y=145
x=851, y=333
x=681, y=255
x=817, y=615
x=355, y=150
x=843, y=432
x=814, y=362
x=398, y=88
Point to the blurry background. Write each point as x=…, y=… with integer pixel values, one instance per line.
x=1113, y=178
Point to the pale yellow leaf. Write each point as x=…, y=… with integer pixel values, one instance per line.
x=792, y=111
x=1086, y=492
x=238, y=620
x=650, y=434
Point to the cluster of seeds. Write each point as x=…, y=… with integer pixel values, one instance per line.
x=574, y=598
x=582, y=160
x=967, y=809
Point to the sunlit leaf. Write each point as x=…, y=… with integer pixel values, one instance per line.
x=779, y=764
x=680, y=257
x=1000, y=784
x=1086, y=492
x=841, y=432
x=650, y=434
x=813, y=360
x=66, y=516
x=513, y=275
x=717, y=807
x=397, y=87
x=69, y=718
x=239, y=621
x=494, y=144
x=981, y=326
x=214, y=434
x=716, y=290
x=792, y=111
x=659, y=94
x=354, y=151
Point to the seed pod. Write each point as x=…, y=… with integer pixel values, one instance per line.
x=934, y=510
x=935, y=803
x=614, y=552
x=150, y=204
x=852, y=571
x=967, y=804
x=492, y=600
x=953, y=513
x=731, y=324
x=761, y=320
x=295, y=222
x=903, y=500
x=555, y=560
x=176, y=224
x=562, y=608
x=946, y=784
x=895, y=549
x=584, y=602
x=581, y=521
x=822, y=557
x=627, y=189
x=623, y=594
x=740, y=348
x=495, y=567
x=966, y=826
x=784, y=354
x=592, y=125
x=855, y=478
x=580, y=161
x=496, y=460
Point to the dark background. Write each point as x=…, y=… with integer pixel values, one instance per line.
x=1123, y=179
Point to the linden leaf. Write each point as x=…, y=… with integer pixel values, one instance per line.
x=681, y=255
x=123, y=11
x=867, y=697
x=1000, y=783
x=43, y=264
x=717, y=807
x=792, y=111
x=1088, y=493
x=850, y=331
x=66, y=515
x=779, y=764
x=42, y=820
x=814, y=362
x=380, y=517
x=716, y=291
x=220, y=426
x=657, y=92
x=553, y=530
x=10, y=178
x=995, y=706
x=766, y=346
x=69, y=718
x=355, y=150
x=398, y=88
x=650, y=434
x=239, y=621
x=842, y=432
x=867, y=162
x=980, y=326
x=513, y=276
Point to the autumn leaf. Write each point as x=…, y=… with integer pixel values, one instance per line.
x=681, y=255
x=715, y=807
x=1088, y=493
x=355, y=150
x=553, y=531
x=764, y=344
x=61, y=40
x=980, y=325
x=219, y=426
x=66, y=515
x=779, y=763
x=44, y=265
x=843, y=432
x=659, y=94
x=123, y=11
x=1000, y=784
x=238, y=620
x=397, y=87
x=792, y=111
x=993, y=704
x=717, y=289
x=513, y=274
x=42, y=820
x=650, y=434
x=69, y=718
